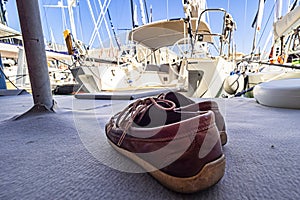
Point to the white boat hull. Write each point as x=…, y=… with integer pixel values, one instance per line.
x=202, y=77
x=113, y=77
x=211, y=75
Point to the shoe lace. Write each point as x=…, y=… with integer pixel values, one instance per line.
x=139, y=107
x=161, y=96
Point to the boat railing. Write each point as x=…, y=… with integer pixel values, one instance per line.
x=225, y=35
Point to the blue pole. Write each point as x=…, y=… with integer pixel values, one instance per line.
x=2, y=77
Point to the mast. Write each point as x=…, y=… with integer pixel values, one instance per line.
x=151, y=15
x=135, y=16
x=167, y=9
x=71, y=3
x=142, y=12
x=278, y=12
x=146, y=9
x=132, y=13
x=257, y=21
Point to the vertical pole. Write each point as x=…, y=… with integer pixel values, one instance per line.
x=71, y=16
x=167, y=9
x=132, y=13
x=253, y=44
x=33, y=40
x=146, y=8
x=257, y=21
x=151, y=13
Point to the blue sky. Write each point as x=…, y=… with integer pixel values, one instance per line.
x=243, y=12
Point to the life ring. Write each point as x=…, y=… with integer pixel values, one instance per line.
x=284, y=93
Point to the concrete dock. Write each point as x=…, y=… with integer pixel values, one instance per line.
x=65, y=155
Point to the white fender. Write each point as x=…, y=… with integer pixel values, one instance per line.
x=284, y=93
x=233, y=84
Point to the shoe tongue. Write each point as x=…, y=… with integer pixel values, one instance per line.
x=155, y=116
x=179, y=99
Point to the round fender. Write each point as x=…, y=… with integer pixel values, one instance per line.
x=233, y=84
x=284, y=93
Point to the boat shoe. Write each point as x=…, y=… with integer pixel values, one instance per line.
x=180, y=149
x=186, y=104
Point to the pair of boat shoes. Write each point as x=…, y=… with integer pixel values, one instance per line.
x=177, y=141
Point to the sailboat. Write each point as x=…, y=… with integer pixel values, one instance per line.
x=283, y=62
x=179, y=54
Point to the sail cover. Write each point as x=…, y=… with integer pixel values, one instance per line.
x=287, y=23
x=166, y=33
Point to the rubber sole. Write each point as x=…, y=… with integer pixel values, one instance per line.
x=223, y=137
x=210, y=174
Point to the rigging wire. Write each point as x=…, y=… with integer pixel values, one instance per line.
x=96, y=30
x=228, y=6
x=293, y=6
x=7, y=78
x=46, y=19
x=78, y=13
x=63, y=17
x=96, y=7
x=113, y=30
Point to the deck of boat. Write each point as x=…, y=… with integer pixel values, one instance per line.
x=64, y=155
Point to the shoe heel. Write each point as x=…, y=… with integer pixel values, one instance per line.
x=210, y=175
x=223, y=136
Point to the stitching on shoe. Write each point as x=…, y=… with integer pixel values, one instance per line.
x=166, y=139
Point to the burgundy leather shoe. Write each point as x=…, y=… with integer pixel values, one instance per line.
x=186, y=104
x=180, y=149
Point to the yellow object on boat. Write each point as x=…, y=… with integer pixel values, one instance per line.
x=68, y=39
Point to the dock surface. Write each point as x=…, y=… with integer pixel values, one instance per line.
x=65, y=155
